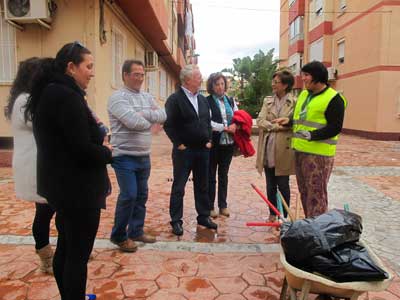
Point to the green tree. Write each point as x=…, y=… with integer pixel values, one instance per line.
x=252, y=80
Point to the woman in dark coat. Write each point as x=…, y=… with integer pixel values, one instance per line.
x=71, y=163
x=222, y=108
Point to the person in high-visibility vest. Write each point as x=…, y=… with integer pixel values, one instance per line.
x=317, y=121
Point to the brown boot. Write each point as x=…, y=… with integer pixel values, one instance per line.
x=46, y=259
x=224, y=212
x=213, y=214
x=125, y=246
x=145, y=238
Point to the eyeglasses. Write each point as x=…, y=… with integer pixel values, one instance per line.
x=73, y=46
x=137, y=75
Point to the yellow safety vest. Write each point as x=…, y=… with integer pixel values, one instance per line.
x=312, y=117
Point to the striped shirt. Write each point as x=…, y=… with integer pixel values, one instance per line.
x=131, y=116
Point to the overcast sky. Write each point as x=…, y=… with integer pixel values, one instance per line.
x=227, y=29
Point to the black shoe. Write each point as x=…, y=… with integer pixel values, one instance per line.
x=207, y=223
x=177, y=228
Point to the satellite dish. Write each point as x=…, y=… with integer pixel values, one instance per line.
x=19, y=8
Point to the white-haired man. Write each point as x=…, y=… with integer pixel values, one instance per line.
x=188, y=126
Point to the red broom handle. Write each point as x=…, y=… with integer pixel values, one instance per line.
x=266, y=200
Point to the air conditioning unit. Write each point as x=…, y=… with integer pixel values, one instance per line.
x=28, y=11
x=151, y=60
x=332, y=73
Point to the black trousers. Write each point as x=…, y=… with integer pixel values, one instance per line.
x=220, y=159
x=273, y=184
x=184, y=162
x=41, y=224
x=76, y=234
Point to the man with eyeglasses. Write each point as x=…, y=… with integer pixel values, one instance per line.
x=133, y=113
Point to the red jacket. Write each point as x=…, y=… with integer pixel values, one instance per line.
x=242, y=135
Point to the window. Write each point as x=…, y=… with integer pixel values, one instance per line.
x=169, y=85
x=294, y=63
x=163, y=84
x=296, y=30
x=342, y=5
x=318, y=7
x=172, y=30
x=341, y=52
x=118, y=56
x=139, y=53
x=152, y=83
x=293, y=68
x=8, y=64
x=316, y=50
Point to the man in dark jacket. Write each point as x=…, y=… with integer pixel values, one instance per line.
x=188, y=126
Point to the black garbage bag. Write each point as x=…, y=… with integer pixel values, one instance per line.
x=312, y=236
x=345, y=263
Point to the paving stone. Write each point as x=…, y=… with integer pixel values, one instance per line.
x=167, y=281
x=16, y=270
x=216, y=267
x=139, y=288
x=106, y=289
x=196, y=288
x=13, y=290
x=140, y=271
x=232, y=285
x=394, y=288
x=166, y=294
x=253, y=278
x=181, y=267
x=275, y=280
x=261, y=264
x=382, y=296
x=230, y=297
x=38, y=276
x=43, y=291
x=101, y=269
x=259, y=292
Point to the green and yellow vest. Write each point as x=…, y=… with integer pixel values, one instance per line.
x=309, y=114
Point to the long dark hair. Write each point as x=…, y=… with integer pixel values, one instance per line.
x=71, y=52
x=22, y=83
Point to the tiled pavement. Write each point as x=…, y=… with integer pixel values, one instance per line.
x=237, y=262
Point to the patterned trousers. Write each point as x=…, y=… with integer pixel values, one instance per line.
x=312, y=175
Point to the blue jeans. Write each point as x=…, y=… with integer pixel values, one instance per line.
x=132, y=174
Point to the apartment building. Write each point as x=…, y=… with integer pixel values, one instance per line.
x=158, y=32
x=359, y=42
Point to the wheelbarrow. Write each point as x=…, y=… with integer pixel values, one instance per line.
x=299, y=281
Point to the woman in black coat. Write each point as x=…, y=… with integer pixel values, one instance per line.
x=71, y=163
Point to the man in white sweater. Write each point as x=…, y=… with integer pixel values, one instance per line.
x=132, y=114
